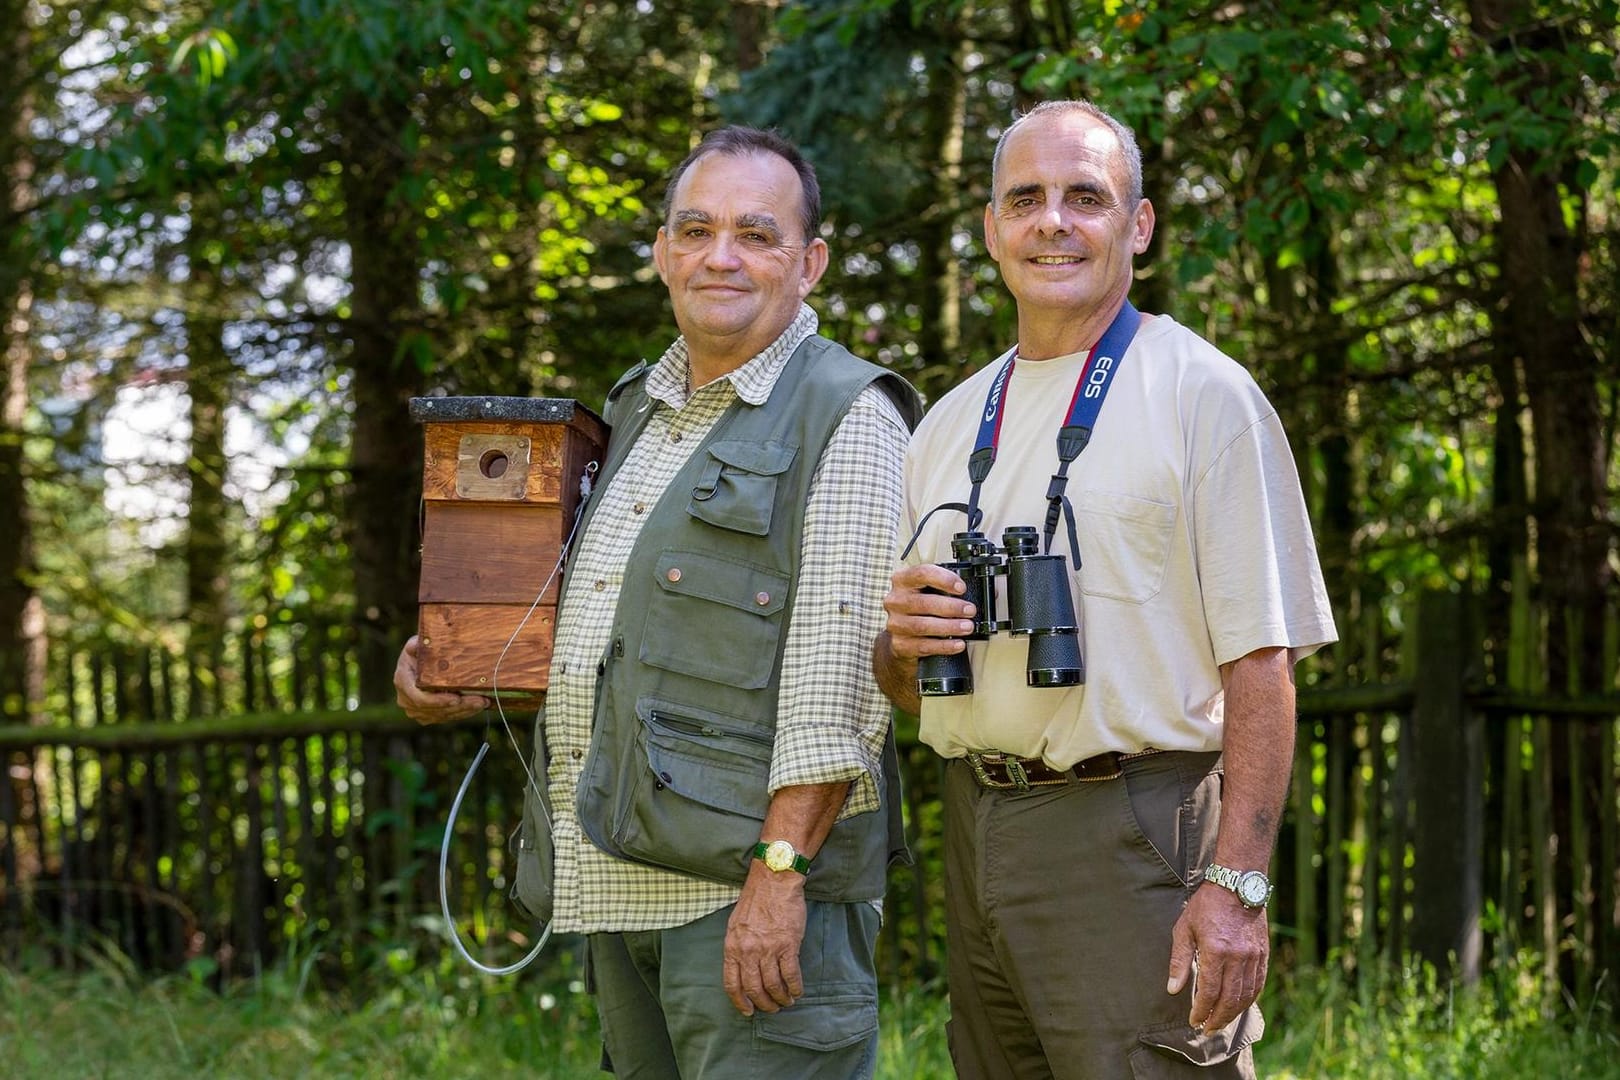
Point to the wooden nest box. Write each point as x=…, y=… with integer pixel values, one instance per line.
x=500, y=487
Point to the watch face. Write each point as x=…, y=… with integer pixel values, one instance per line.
x=1253, y=888
x=779, y=855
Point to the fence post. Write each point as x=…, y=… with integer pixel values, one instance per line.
x=1448, y=788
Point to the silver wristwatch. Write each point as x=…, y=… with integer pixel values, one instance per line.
x=1252, y=887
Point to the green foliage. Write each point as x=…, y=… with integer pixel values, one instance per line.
x=417, y=1020
x=1407, y=1023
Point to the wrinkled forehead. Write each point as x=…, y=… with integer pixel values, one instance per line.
x=1059, y=149
x=752, y=183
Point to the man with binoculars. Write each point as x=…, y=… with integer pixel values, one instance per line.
x=1110, y=577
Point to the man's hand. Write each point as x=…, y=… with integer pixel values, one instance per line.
x=429, y=706
x=1231, y=944
x=920, y=624
x=762, y=942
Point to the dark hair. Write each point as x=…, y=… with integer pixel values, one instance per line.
x=738, y=141
x=1126, y=137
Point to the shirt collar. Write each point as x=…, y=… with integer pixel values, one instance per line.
x=753, y=381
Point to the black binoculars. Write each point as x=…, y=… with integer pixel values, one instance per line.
x=1039, y=605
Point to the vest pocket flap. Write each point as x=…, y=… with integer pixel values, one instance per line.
x=766, y=459
x=707, y=577
x=737, y=487
x=706, y=758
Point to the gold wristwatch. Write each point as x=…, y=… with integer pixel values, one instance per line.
x=779, y=855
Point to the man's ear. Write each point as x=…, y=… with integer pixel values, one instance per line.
x=1145, y=221
x=815, y=264
x=661, y=254
x=990, y=244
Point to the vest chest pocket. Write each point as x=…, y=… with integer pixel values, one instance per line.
x=737, y=488
x=715, y=619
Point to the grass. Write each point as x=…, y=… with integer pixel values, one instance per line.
x=1408, y=1023
x=409, y=1020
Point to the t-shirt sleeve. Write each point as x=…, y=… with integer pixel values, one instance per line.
x=1257, y=564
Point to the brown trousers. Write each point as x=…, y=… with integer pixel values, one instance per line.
x=1059, y=907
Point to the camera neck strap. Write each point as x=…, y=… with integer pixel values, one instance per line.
x=1092, y=387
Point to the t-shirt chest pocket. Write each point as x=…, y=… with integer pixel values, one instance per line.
x=736, y=489
x=1124, y=545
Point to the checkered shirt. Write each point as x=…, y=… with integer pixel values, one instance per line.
x=831, y=718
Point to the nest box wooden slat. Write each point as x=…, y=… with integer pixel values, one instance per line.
x=500, y=486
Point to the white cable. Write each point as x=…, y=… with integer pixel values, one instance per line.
x=444, y=887
x=466, y=782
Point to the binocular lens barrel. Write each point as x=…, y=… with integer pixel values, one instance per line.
x=1039, y=605
x=975, y=562
x=1054, y=661
x=944, y=676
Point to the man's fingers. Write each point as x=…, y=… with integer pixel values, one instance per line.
x=1242, y=983
x=915, y=636
x=1206, y=996
x=788, y=985
x=764, y=986
x=732, y=981
x=1181, y=956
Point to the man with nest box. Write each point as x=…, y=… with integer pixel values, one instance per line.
x=720, y=765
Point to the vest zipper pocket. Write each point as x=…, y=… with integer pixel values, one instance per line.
x=686, y=725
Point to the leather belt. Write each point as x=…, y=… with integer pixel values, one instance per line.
x=1007, y=772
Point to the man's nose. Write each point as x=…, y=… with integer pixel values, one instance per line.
x=722, y=251
x=1054, y=220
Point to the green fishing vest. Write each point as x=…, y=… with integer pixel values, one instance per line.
x=685, y=712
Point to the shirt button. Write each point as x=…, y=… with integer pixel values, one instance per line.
x=638, y=508
x=562, y=667
x=674, y=573
x=674, y=436
x=598, y=584
x=577, y=754
x=762, y=598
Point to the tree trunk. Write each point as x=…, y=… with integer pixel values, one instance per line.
x=386, y=451
x=1541, y=326
x=206, y=551
x=939, y=271
x=22, y=622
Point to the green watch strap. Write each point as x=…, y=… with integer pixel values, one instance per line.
x=781, y=859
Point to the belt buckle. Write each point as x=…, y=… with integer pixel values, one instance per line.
x=1015, y=771
x=976, y=761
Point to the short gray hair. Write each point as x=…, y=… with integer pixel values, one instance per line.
x=1126, y=137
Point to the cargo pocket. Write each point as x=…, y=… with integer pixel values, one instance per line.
x=697, y=797
x=1166, y=1052
x=737, y=487
x=715, y=619
x=821, y=1023
x=532, y=882
x=532, y=850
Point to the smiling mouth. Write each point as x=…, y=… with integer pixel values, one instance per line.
x=1056, y=260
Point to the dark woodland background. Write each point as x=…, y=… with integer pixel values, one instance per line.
x=238, y=237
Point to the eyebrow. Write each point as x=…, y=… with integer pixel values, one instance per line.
x=1021, y=190
x=764, y=222
x=759, y=221
x=1079, y=187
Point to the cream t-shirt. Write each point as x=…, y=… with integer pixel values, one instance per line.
x=1195, y=545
